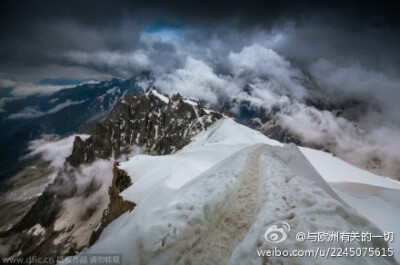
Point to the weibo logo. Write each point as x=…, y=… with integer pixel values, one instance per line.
x=275, y=234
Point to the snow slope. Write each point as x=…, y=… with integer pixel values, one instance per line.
x=334, y=170
x=212, y=202
x=375, y=197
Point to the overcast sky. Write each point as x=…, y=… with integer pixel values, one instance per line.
x=78, y=39
x=271, y=54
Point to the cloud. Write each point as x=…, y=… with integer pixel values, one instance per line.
x=3, y=101
x=97, y=175
x=4, y=83
x=270, y=76
x=362, y=143
x=23, y=90
x=61, y=106
x=20, y=89
x=89, y=182
x=256, y=62
x=86, y=186
x=365, y=99
x=354, y=82
x=111, y=59
x=30, y=112
x=196, y=79
x=54, y=149
x=27, y=113
x=59, y=33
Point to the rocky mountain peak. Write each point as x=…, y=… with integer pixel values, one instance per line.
x=156, y=123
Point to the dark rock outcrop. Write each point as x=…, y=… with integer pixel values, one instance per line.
x=43, y=212
x=157, y=123
x=274, y=130
x=117, y=205
x=225, y=111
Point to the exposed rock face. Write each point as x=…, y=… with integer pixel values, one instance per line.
x=157, y=123
x=274, y=130
x=117, y=205
x=225, y=111
x=43, y=212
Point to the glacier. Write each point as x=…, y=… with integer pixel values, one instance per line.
x=212, y=201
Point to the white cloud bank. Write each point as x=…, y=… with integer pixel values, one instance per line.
x=270, y=77
x=196, y=79
x=265, y=79
x=34, y=111
x=114, y=59
x=23, y=90
x=362, y=143
x=54, y=149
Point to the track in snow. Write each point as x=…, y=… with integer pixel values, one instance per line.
x=216, y=246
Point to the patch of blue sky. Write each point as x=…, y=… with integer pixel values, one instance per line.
x=166, y=31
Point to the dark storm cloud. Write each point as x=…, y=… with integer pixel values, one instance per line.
x=88, y=39
x=36, y=32
x=164, y=47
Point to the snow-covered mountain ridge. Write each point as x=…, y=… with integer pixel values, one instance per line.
x=211, y=202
